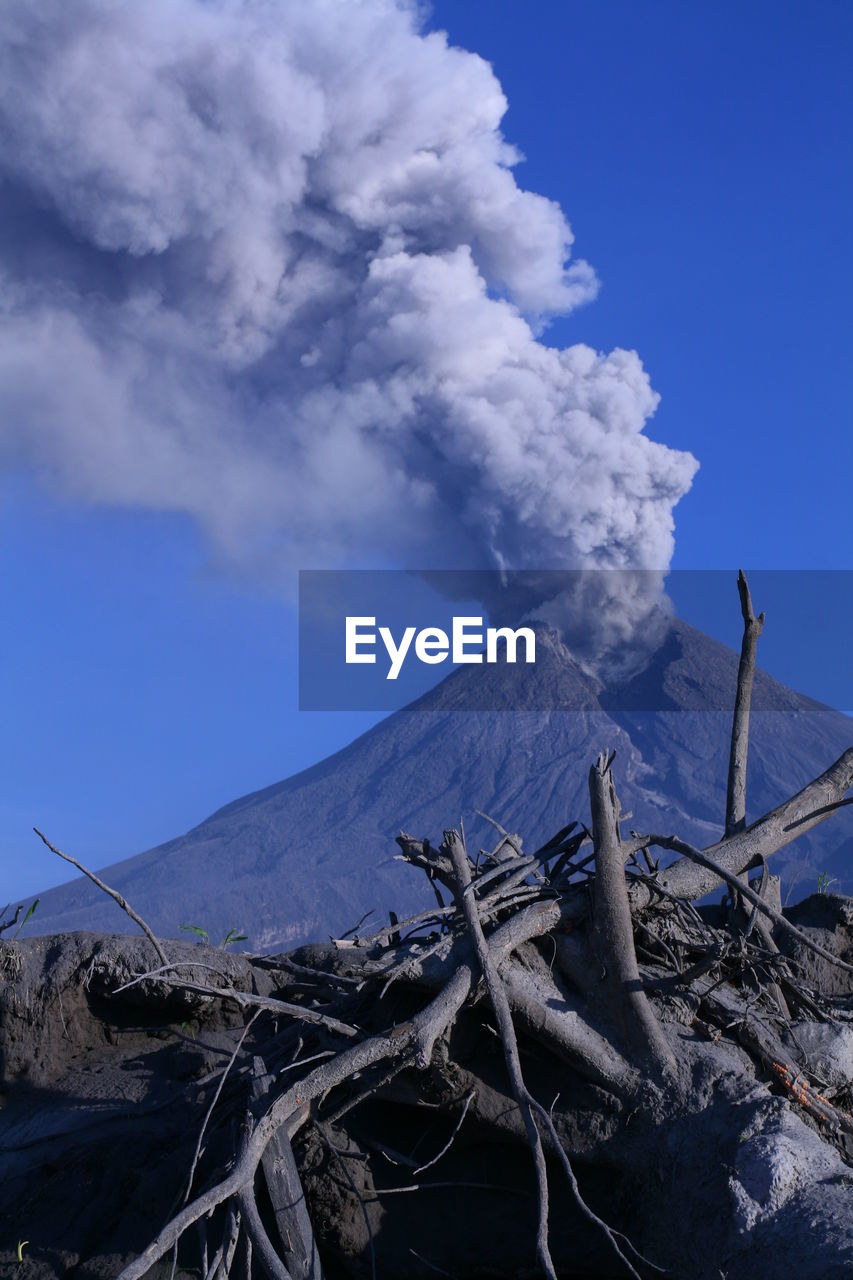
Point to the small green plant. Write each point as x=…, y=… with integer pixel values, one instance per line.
x=231, y=936
x=21, y=1244
x=824, y=881
x=194, y=928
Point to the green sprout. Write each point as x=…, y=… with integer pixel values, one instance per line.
x=824, y=880
x=194, y=928
x=21, y=1244
x=231, y=936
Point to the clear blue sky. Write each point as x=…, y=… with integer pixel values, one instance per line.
x=702, y=154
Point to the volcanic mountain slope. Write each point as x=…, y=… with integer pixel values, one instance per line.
x=309, y=856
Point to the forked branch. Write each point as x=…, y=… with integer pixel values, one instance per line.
x=613, y=931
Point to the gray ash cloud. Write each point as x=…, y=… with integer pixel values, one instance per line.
x=269, y=265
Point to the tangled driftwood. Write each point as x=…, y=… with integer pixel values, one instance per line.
x=590, y=967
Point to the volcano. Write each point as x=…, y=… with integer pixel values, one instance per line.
x=309, y=856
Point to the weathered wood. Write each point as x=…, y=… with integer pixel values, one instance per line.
x=757, y=1036
x=772, y=892
x=613, y=932
x=814, y=804
x=703, y=860
x=527, y=1104
x=404, y=1044
x=563, y=1025
x=270, y=1262
x=111, y=893
x=736, y=785
x=285, y=1190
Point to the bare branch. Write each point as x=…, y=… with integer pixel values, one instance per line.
x=246, y=999
x=404, y=1043
x=526, y=1102
x=703, y=860
x=112, y=893
x=500, y=1004
x=257, y=1233
x=220, y=1084
x=736, y=786
x=229, y=1243
x=449, y=1143
x=9, y=924
x=613, y=932
x=814, y=804
x=561, y=1022
x=286, y=1194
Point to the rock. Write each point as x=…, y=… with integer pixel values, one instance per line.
x=827, y=1049
x=53, y=989
x=825, y=918
x=776, y=1163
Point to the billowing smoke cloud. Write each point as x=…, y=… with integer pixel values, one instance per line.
x=267, y=264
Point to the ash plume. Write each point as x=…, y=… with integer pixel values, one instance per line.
x=268, y=265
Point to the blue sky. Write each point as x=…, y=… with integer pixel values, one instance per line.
x=701, y=153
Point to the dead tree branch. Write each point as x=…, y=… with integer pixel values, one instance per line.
x=112, y=893
x=703, y=860
x=404, y=1044
x=613, y=932
x=500, y=1004
x=286, y=1195
x=527, y=1104
x=736, y=785
x=817, y=801
x=9, y=924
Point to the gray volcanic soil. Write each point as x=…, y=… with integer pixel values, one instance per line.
x=102, y=1096
x=309, y=856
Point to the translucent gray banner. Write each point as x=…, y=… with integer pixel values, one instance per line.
x=617, y=640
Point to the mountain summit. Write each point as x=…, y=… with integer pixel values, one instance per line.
x=310, y=855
